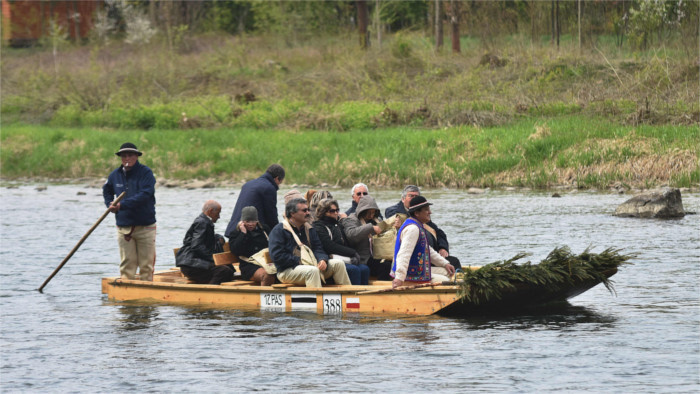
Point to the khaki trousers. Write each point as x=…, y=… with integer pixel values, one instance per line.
x=439, y=275
x=138, y=252
x=311, y=276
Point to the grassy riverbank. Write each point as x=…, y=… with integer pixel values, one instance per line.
x=328, y=83
x=574, y=150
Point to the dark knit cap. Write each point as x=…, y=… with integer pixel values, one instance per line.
x=128, y=147
x=249, y=214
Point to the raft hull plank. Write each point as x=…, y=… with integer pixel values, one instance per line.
x=169, y=287
x=327, y=300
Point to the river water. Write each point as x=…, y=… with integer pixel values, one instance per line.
x=72, y=339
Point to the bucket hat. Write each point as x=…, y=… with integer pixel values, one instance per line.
x=128, y=147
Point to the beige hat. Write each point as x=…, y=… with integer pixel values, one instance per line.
x=291, y=195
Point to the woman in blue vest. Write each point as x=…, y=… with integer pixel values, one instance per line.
x=413, y=254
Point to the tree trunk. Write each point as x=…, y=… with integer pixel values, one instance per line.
x=533, y=31
x=553, y=32
x=454, y=21
x=624, y=27
x=76, y=22
x=378, y=22
x=153, y=12
x=579, y=24
x=438, y=26
x=362, y=23
x=558, y=25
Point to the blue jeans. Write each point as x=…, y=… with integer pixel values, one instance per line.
x=358, y=274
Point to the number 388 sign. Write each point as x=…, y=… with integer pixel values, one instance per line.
x=332, y=304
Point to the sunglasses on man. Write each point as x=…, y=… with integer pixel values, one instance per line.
x=361, y=193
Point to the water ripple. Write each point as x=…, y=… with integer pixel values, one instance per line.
x=71, y=339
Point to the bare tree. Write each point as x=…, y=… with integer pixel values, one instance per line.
x=579, y=23
x=438, y=26
x=454, y=22
x=558, y=24
x=551, y=37
x=378, y=21
x=362, y=23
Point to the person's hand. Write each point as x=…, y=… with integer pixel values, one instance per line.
x=355, y=260
x=377, y=229
x=342, y=215
x=396, y=283
x=322, y=265
x=397, y=223
x=450, y=269
x=115, y=208
x=444, y=253
x=241, y=227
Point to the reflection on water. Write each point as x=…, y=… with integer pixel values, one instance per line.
x=553, y=317
x=137, y=317
x=643, y=339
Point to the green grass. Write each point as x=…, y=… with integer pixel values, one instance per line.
x=540, y=154
x=329, y=84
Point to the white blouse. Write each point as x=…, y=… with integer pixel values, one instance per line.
x=409, y=238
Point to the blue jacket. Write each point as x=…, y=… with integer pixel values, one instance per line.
x=138, y=207
x=199, y=245
x=260, y=193
x=436, y=244
x=282, y=245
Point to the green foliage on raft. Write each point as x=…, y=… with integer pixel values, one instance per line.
x=558, y=271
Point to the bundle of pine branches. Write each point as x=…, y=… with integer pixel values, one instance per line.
x=559, y=270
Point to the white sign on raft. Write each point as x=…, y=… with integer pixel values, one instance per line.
x=272, y=301
x=304, y=302
x=332, y=304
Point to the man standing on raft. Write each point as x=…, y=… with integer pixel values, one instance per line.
x=136, y=213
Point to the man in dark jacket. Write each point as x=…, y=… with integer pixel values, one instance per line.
x=436, y=237
x=260, y=193
x=195, y=256
x=135, y=214
x=285, y=252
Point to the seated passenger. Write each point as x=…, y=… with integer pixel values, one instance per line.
x=436, y=237
x=315, y=200
x=359, y=228
x=413, y=255
x=195, y=256
x=309, y=195
x=286, y=241
x=358, y=191
x=292, y=194
x=332, y=235
x=250, y=237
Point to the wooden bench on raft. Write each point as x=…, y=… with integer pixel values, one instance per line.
x=224, y=258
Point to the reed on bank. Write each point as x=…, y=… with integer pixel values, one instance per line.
x=541, y=153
